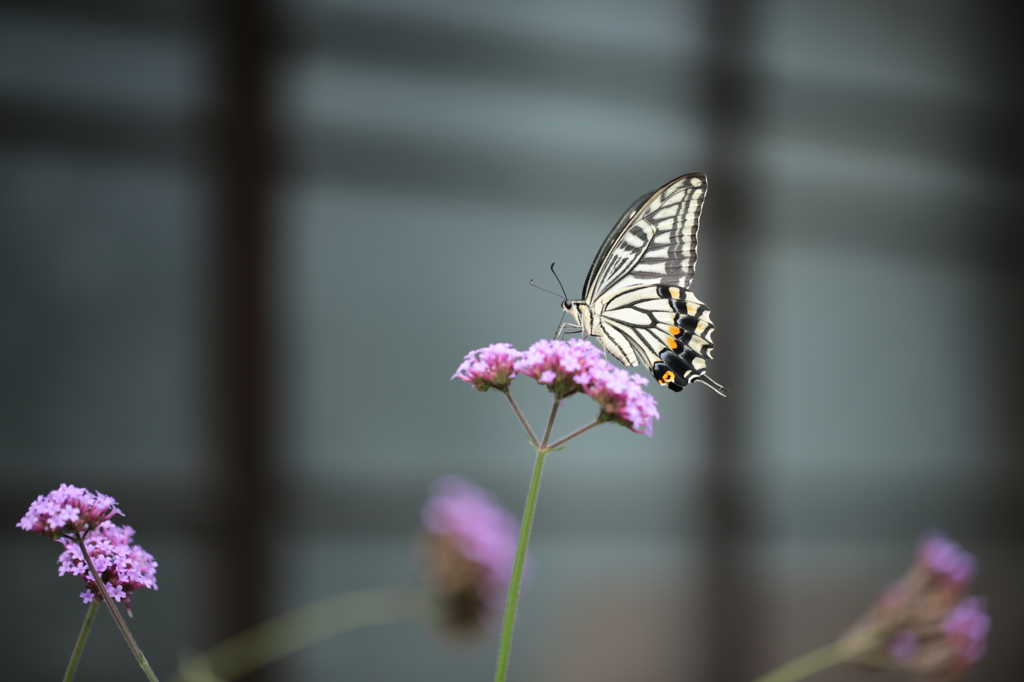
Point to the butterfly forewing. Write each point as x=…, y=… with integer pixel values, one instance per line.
x=606, y=245
x=654, y=243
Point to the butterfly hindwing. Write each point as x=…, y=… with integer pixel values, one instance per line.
x=665, y=328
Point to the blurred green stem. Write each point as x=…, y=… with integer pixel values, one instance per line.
x=810, y=663
x=83, y=635
x=278, y=637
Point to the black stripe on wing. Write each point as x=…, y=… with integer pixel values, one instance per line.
x=606, y=245
x=657, y=243
x=671, y=256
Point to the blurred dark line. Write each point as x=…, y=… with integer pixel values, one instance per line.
x=151, y=16
x=243, y=418
x=1004, y=143
x=96, y=131
x=980, y=504
x=427, y=165
x=733, y=634
x=430, y=47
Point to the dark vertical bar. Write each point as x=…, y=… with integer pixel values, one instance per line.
x=732, y=645
x=243, y=411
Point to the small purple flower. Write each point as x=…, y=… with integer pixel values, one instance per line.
x=559, y=364
x=946, y=560
x=123, y=567
x=966, y=626
x=472, y=546
x=68, y=511
x=490, y=367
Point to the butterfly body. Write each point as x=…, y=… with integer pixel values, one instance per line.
x=636, y=298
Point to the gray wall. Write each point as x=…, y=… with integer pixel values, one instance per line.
x=430, y=159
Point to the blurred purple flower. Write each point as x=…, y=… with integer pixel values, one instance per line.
x=122, y=566
x=471, y=547
x=490, y=367
x=946, y=560
x=68, y=511
x=922, y=624
x=966, y=627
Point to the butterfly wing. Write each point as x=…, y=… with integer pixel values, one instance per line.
x=667, y=329
x=637, y=293
x=655, y=241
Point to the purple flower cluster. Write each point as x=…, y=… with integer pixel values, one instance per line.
x=927, y=625
x=566, y=367
x=69, y=515
x=621, y=397
x=490, y=367
x=472, y=546
x=67, y=511
x=123, y=567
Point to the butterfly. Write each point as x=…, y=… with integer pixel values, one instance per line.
x=636, y=298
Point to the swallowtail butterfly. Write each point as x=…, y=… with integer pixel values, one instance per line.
x=636, y=298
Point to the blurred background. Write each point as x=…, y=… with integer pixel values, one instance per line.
x=245, y=244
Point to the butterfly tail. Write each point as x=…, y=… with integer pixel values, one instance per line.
x=714, y=385
x=680, y=369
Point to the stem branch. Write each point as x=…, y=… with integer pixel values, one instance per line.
x=551, y=422
x=522, y=419
x=582, y=429
x=804, y=666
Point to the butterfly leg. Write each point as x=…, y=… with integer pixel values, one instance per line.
x=572, y=329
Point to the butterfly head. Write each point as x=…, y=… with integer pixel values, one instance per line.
x=581, y=314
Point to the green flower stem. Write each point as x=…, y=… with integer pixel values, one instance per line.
x=522, y=419
x=303, y=627
x=511, y=604
x=121, y=625
x=514, y=585
x=551, y=423
x=582, y=429
x=810, y=663
x=83, y=635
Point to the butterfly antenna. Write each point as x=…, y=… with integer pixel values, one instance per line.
x=565, y=296
x=553, y=293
